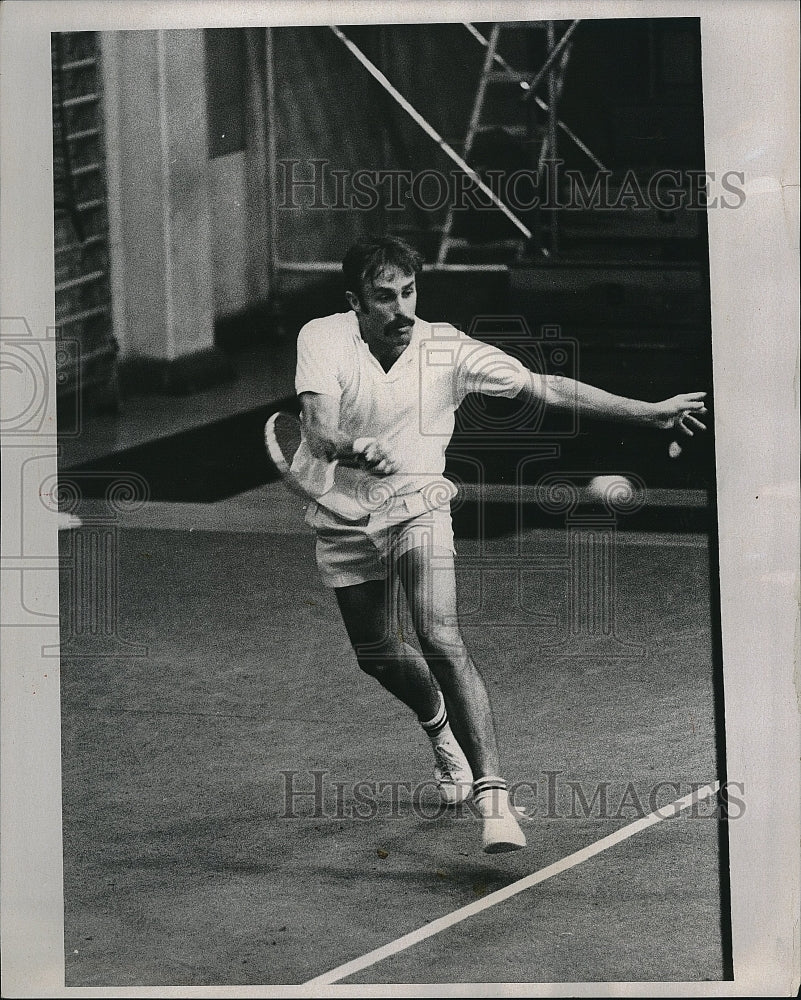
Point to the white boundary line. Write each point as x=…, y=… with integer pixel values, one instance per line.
x=465, y=912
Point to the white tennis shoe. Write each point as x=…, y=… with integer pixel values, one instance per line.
x=501, y=831
x=452, y=773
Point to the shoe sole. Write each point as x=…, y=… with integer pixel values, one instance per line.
x=502, y=847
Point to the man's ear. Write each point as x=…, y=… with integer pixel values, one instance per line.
x=353, y=301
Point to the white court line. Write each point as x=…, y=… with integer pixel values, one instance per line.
x=465, y=912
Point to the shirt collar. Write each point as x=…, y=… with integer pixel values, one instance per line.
x=408, y=355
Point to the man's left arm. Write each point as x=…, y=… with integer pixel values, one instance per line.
x=562, y=393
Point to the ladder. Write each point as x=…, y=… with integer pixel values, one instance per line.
x=86, y=359
x=553, y=70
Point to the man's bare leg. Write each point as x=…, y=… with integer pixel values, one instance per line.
x=369, y=611
x=430, y=586
x=429, y=580
x=371, y=625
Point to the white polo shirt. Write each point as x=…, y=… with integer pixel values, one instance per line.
x=410, y=409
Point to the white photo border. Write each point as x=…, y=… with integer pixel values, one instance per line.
x=750, y=51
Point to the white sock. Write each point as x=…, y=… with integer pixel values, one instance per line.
x=435, y=726
x=490, y=796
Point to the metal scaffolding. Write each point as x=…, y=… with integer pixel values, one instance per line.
x=551, y=73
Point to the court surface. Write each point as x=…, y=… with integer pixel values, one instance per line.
x=187, y=863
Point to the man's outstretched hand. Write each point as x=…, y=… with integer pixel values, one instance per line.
x=681, y=413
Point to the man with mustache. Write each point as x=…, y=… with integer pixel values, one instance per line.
x=379, y=389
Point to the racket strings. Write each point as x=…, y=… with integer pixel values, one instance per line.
x=288, y=435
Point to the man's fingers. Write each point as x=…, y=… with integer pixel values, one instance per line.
x=383, y=468
x=364, y=451
x=690, y=401
x=687, y=421
x=372, y=457
x=379, y=463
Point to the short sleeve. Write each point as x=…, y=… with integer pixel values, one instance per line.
x=488, y=370
x=318, y=361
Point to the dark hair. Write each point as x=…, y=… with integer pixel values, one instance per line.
x=365, y=261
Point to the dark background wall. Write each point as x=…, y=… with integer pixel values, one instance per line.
x=628, y=289
x=632, y=92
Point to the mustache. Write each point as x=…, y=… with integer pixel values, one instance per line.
x=398, y=324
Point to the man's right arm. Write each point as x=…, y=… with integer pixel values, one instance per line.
x=326, y=440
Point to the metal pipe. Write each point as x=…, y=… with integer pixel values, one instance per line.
x=514, y=74
x=552, y=150
x=333, y=266
x=552, y=55
x=376, y=73
x=475, y=117
x=272, y=155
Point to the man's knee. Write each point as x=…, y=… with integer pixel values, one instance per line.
x=376, y=658
x=443, y=647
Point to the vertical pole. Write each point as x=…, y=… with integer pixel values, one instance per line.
x=552, y=152
x=165, y=204
x=472, y=128
x=386, y=152
x=272, y=154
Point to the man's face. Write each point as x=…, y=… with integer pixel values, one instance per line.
x=386, y=312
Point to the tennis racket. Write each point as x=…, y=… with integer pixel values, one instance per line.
x=301, y=471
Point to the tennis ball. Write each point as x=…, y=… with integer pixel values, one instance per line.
x=606, y=488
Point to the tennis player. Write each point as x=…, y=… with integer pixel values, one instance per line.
x=379, y=388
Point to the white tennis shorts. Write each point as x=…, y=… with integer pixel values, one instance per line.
x=351, y=552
